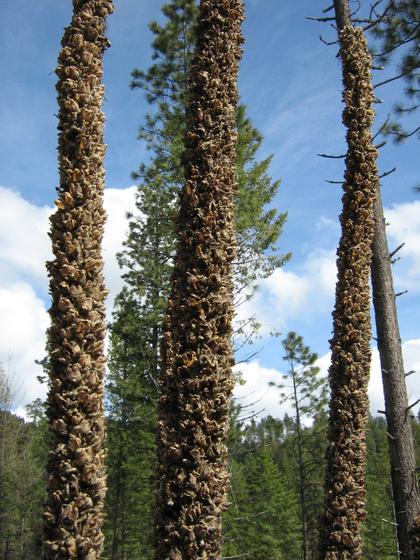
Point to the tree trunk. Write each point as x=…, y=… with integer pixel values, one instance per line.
x=302, y=473
x=340, y=531
x=401, y=447
x=76, y=481
x=196, y=378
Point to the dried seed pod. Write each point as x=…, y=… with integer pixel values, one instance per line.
x=340, y=528
x=76, y=476
x=196, y=379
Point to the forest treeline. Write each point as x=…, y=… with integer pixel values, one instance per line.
x=263, y=520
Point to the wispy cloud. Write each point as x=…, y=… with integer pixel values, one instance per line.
x=24, y=248
x=257, y=395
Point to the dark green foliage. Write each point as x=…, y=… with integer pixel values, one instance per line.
x=258, y=227
x=398, y=35
x=22, y=479
x=307, y=392
x=379, y=528
x=270, y=521
x=130, y=431
x=263, y=518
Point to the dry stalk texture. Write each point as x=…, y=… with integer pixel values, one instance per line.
x=76, y=479
x=340, y=529
x=196, y=379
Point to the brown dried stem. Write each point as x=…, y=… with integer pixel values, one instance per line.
x=346, y=456
x=76, y=480
x=196, y=379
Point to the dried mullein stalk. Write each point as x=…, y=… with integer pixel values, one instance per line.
x=340, y=531
x=196, y=379
x=76, y=479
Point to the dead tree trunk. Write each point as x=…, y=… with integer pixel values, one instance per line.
x=76, y=480
x=400, y=437
x=196, y=379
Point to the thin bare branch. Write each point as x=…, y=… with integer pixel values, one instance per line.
x=373, y=8
x=320, y=19
x=387, y=173
x=382, y=127
x=341, y=156
x=328, y=43
x=404, y=134
x=395, y=251
x=381, y=144
x=389, y=80
x=401, y=293
x=412, y=405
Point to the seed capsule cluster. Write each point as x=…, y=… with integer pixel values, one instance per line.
x=76, y=481
x=349, y=372
x=196, y=380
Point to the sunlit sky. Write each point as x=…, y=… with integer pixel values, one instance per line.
x=291, y=84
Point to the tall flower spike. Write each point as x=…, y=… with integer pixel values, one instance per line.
x=76, y=479
x=340, y=531
x=196, y=380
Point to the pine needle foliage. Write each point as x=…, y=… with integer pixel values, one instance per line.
x=398, y=34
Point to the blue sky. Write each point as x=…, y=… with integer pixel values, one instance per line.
x=291, y=85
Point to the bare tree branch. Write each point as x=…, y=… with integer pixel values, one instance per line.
x=395, y=251
x=341, y=156
x=387, y=173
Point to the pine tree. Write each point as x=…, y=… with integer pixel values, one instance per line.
x=76, y=480
x=271, y=525
x=379, y=533
x=257, y=229
x=196, y=379
x=397, y=31
x=130, y=436
x=22, y=480
x=340, y=532
x=308, y=395
x=262, y=520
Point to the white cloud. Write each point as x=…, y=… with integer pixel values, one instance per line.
x=257, y=396
x=24, y=244
x=411, y=355
x=24, y=249
x=404, y=227
x=321, y=271
x=117, y=203
x=286, y=294
x=309, y=286
x=23, y=321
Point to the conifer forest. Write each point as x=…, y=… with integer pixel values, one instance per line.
x=192, y=394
